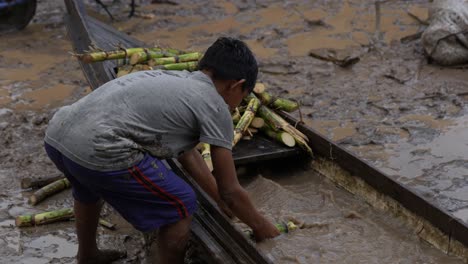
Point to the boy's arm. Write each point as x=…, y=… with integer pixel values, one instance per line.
x=196, y=167
x=237, y=199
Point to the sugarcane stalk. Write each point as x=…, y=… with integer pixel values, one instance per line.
x=27, y=183
x=161, y=58
x=53, y=216
x=44, y=218
x=280, y=136
x=48, y=190
x=96, y=56
x=236, y=116
x=277, y=103
x=106, y=224
x=206, y=155
x=257, y=122
x=277, y=123
x=246, y=118
x=144, y=56
x=259, y=88
x=189, y=66
x=252, y=130
x=284, y=228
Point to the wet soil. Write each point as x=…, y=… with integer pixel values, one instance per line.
x=394, y=109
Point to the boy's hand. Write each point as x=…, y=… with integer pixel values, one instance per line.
x=226, y=210
x=265, y=231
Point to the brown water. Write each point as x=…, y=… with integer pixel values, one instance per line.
x=335, y=226
x=412, y=126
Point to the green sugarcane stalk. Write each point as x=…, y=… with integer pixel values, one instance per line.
x=284, y=228
x=195, y=56
x=189, y=66
x=44, y=218
x=48, y=190
x=277, y=123
x=144, y=56
x=246, y=118
x=27, y=183
x=280, y=136
x=51, y=217
x=96, y=56
x=277, y=103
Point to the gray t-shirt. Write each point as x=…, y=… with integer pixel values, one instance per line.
x=163, y=113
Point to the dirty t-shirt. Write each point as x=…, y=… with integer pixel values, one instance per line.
x=163, y=113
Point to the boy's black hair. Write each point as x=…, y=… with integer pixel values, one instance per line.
x=231, y=59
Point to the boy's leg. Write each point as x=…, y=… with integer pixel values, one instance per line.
x=87, y=217
x=173, y=240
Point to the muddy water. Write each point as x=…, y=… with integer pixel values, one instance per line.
x=392, y=108
x=335, y=226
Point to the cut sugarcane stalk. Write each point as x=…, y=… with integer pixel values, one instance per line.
x=277, y=123
x=106, y=224
x=280, y=136
x=257, y=122
x=48, y=190
x=284, y=228
x=259, y=88
x=246, y=118
x=189, y=66
x=44, y=218
x=27, y=183
x=277, y=103
x=236, y=116
x=206, y=155
x=96, y=56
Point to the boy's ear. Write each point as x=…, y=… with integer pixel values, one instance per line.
x=237, y=83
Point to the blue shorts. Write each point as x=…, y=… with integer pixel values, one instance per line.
x=148, y=195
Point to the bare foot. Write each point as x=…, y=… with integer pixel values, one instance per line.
x=104, y=257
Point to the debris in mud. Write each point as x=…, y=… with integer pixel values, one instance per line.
x=346, y=62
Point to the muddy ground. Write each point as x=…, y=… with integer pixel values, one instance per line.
x=392, y=108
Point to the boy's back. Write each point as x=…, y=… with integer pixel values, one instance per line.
x=160, y=112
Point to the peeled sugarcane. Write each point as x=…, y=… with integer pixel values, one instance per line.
x=195, y=56
x=284, y=228
x=246, y=118
x=51, y=217
x=189, y=66
x=206, y=155
x=280, y=136
x=44, y=218
x=95, y=56
x=277, y=123
x=277, y=103
x=48, y=190
x=27, y=183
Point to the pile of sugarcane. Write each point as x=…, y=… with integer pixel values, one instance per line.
x=257, y=114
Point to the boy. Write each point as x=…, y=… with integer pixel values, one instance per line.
x=109, y=145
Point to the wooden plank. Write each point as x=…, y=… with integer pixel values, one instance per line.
x=438, y=217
